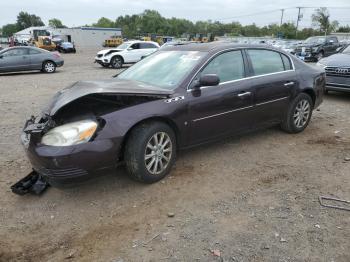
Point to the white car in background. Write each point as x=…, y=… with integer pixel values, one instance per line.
x=126, y=53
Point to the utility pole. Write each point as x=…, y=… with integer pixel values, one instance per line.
x=282, y=10
x=296, y=30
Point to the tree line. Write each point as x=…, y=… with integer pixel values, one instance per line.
x=152, y=22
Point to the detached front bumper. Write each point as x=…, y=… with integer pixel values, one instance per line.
x=62, y=165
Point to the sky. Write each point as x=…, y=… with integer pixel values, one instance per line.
x=263, y=12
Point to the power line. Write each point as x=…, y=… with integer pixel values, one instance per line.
x=278, y=10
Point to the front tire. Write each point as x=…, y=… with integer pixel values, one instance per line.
x=150, y=152
x=117, y=62
x=299, y=114
x=319, y=56
x=49, y=67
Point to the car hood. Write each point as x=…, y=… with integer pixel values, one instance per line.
x=337, y=60
x=105, y=51
x=112, y=86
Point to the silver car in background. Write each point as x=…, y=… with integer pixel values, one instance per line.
x=26, y=58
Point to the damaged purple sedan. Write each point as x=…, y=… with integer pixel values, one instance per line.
x=179, y=97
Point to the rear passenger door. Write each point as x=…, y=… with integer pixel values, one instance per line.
x=273, y=79
x=36, y=59
x=147, y=49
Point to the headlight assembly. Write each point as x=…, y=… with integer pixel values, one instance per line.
x=70, y=134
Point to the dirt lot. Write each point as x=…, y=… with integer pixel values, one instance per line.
x=251, y=198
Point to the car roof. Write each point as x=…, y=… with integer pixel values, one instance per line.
x=215, y=46
x=26, y=47
x=140, y=41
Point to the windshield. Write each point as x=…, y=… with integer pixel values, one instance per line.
x=315, y=40
x=347, y=50
x=123, y=46
x=165, y=69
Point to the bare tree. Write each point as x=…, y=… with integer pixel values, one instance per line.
x=321, y=19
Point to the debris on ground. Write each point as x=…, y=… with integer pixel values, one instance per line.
x=341, y=203
x=170, y=214
x=216, y=252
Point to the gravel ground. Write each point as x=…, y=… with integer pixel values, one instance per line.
x=248, y=198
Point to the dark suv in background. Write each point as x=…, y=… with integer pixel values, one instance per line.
x=316, y=47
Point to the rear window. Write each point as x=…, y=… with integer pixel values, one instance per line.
x=265, y=61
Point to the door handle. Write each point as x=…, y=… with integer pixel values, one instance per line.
x=289, y=83
x=242, y=95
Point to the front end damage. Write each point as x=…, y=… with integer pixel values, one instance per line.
x=74, y=163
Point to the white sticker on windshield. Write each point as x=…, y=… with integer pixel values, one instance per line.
x=190, y=56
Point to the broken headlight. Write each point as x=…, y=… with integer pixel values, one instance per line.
x=70, y=134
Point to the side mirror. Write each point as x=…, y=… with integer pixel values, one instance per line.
x=130, y=48
x=206, y=80
x=209, y=80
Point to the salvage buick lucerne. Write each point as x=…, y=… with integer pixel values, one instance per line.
x=178, y=97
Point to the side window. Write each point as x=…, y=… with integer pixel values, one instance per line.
x=34, y=52
x=286, y=62
x=265, y=61
x=335, y=40
x=228, y=66
x=135, y=46
x=16, y=52
x=147, y=45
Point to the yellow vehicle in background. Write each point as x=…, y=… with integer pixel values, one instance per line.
x=113, y=42
x=45, y=42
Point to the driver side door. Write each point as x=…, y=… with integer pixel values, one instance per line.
x=16, y=59
x=224, y=109
x=133, y=53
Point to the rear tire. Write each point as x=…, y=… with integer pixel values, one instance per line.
x=117, y=62
x=150, y=152
x=49, y=67
x=298, y=114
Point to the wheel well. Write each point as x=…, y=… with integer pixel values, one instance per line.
x=311, y=93
x=167, y=121
x=49, y=61
x=118, y=56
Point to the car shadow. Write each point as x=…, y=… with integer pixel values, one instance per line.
x=334, y=95
x=26, y=73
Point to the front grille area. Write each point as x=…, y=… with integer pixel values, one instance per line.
x=338, y=71
x=299, y=50
x=62, y=172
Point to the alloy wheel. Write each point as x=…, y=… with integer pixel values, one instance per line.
x=302, y=113
x=117, y=63
x=49, y=67
x=158, y=153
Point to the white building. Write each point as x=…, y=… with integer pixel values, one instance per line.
x=82, y=37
